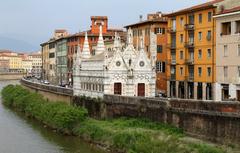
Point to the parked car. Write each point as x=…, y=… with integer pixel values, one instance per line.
x=46, y=82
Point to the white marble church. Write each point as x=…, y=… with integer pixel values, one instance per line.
x=124, y=72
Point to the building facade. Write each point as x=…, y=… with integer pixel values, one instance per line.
x=49, y=60
x=228, y=55
x=93, y=33
x=36, y=59
x=61, y=61
x=122, y=72
x=154, y=32
x=192, y=52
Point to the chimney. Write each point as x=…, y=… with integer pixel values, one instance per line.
x=141, y=18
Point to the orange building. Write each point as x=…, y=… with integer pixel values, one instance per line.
x=154, y=32
x=78, y=39
x=192, y=52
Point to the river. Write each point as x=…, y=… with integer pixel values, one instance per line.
x=19, y=134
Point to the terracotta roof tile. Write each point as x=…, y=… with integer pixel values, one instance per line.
x=196, y=7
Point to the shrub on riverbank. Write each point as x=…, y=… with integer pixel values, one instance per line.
x=124, y=134
x=57, y=115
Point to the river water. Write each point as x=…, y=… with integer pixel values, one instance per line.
x=21, y=135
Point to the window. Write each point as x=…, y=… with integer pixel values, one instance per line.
x=174, y=24
x=181, y=71
x=51, y=55
x=199, y=71
x=181, y=54
x=139, y=32
x=239, y=71
x=209, y=35
x=199, y=36
x=239, y=50
x=181, y=21
x=160, y=66
x=209, y=53
x=209, y=71
x=226, y=28
x=209, y=16
x=147, y=48
x=181, y=38
x=159, y=30
x=238, y=26
x=225, y=50
x=225, y=70
x=200, y=18
x=147, y=31
x=199, y=54
x=159, y=48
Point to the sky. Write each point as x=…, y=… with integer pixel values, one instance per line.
x=25, y=24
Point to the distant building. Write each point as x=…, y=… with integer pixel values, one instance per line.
x=124, y=72
x=4, y=65
x=154, y=32
x=49, y=56
x=228, y=54
x=36, y=59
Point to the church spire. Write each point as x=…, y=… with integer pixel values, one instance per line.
x=100, y=46
x=86, y=50
x=117, y=41
x=130, y=36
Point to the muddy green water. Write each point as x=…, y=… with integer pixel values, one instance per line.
x=21, y=135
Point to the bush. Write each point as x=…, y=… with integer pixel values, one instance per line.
x=57, y=115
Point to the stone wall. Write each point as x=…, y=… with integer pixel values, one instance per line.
x=51, y=93
x=217, y=122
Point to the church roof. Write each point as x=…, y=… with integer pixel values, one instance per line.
x=99, y=57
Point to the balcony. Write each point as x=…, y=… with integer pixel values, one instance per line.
x=172, y=62
x=190, y=77
x=172, y=30
x=171, y=46
x=189, y=27
x=189, y=61
x=173, y=76
x=189, y=44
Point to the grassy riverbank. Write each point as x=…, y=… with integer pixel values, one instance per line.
x=122, y=135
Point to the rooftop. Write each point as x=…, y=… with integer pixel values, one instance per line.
x=209, y=4
x=232, y=10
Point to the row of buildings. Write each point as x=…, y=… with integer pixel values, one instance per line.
x=29, y=63
x=196, y=51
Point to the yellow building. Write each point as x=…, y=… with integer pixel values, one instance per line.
x=191, y=52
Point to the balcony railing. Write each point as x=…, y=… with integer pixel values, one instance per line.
x=171, y=30
x=171, y=46
x=171, y=61
x=190, y=77
x=189, y=26
x=189, y=61
x=173, y=76
x=189, y=44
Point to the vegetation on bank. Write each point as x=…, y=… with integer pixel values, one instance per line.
x=122, y=135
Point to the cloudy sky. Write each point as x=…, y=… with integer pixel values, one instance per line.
x=24, y=24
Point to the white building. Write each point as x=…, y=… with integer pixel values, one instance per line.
x=122, y=72
x=228, y=55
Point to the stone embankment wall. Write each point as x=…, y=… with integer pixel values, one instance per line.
x=10, y=76
x=214, y=121
x=52, y=93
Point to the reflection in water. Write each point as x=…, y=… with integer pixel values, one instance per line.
x=19, y=134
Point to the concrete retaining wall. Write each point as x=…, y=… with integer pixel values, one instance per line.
x=217, y=122
x=51, y=93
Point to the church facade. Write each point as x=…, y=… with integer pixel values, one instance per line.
x=126, y=72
